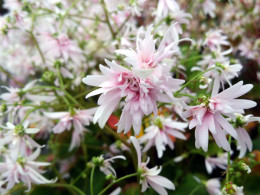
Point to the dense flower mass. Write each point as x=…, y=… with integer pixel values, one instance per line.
x=87, y=85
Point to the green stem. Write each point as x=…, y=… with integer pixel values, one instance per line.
x=123, y=24
x=10, y=76
x=157, y=25
x=194, y=78
x=59, y=89
x=29, y=112
x=227, y=174
x=117, y=181
x=190, y=59
x=116, y=135
x=87, y=18
x=37, y=46
x=67, y=12
x=107, y=19
x=79, y=176
x=68, y=186
x=91, y=179
x=62, y=85
x=185, y=94
x=194, y=190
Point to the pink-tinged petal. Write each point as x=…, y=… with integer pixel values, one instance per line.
x=32, y=130
x=114, y=66
x=162, y=181
x=176, y=134
x=94, y=80
x=197, y=143
x=106, y=111
x=144, y=185
x=244, y=142
x=132, y=57
x=193, y=123
x=137, y=122
x=117, y=157
x=56, y=115
x=75, y=141
x=30, y=85
x=216, y=86
x=209, y=168
x=26, y=124
x=137, y=148
x=243, y=104
x=96, y=92
x=229, y=92
x=203, y=136
x=143, y=73
x=34, y=155
x=158, y=188
x=220, y=138
x=159, y=145
x=225, y=125
x=211, y=123
x=177, y=125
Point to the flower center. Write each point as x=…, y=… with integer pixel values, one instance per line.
x=158, y=123
x=63, y=41
x=19, y=130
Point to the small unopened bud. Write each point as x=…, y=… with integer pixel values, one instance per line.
x=57, y=64
x=89, y=164
x=3, y=107
x=48, y=77
x=231, y=170
x=19, y=130
x=110, y=177
x=95, y=160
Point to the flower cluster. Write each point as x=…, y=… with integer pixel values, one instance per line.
x=86, y=83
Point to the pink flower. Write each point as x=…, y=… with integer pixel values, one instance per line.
x=23, y=169
x=208, y=115
x=141, y=94
x=215, y=39
x=146, y=56
x=160, y=132
x=150, y=177
x=78, y=119
x=147, y=82
x=60, y=46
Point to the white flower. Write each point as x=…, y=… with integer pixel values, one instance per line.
x=14, y=94
x=213, y=162
x=18, y=138
x=244, y=141
x=150, y=177
x=105, y=165
x=209, y=7
x=23, y=169
x=213, y=186
x=160, y=133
